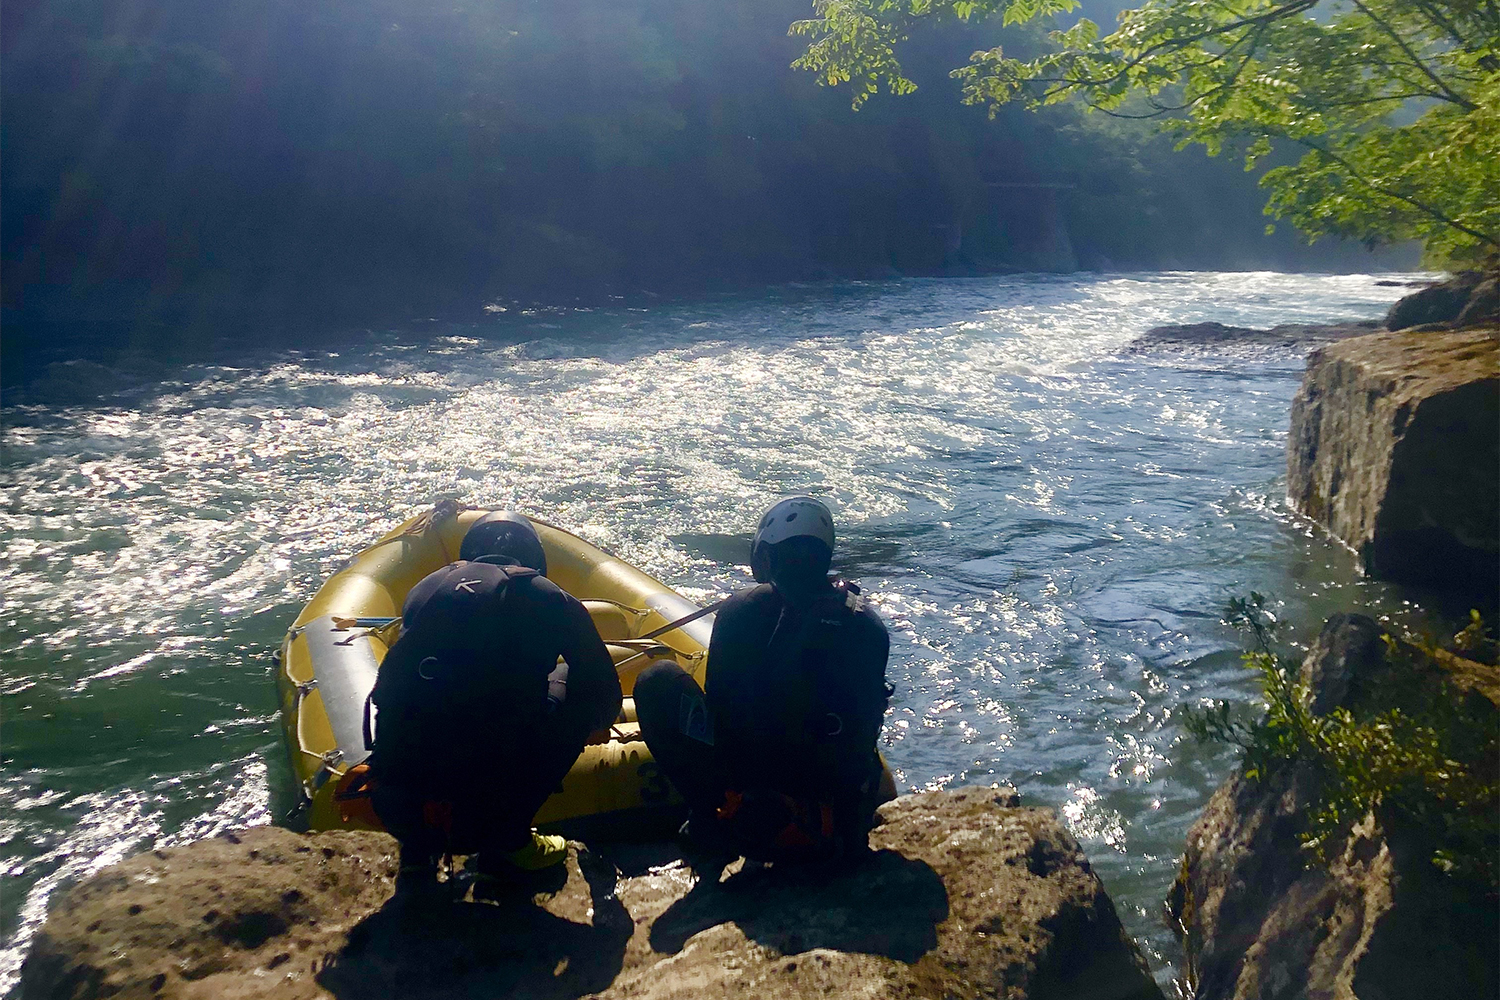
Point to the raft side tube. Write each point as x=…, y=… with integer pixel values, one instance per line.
x=345, y=664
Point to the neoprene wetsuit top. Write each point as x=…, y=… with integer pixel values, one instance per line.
x=475, y=672
x=797, y=694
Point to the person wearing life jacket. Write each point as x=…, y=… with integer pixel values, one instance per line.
x=475, y=720
x=776, y=757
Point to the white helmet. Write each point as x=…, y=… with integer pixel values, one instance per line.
x=794, y=517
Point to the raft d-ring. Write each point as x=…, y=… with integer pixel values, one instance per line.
x=423, y=667
x=330, y=760
x=838, y=724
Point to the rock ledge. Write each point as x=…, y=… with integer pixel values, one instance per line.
x=967, y=895
x=1217, y=335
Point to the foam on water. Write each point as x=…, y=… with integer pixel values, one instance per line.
x=1049, y=526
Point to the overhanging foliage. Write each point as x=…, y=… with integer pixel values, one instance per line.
x=1394, y=104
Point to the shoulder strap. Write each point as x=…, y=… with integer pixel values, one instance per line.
x=512, y=573
x=850, y=591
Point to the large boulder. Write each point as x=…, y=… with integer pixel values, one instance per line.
x=1261, y=920
x=966, y=895
x=1395, y=448
x=1438, y=303
x=1483, y=305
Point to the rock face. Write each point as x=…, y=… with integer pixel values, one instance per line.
x=1395, y=448
x=1459, y=298
x=1378, y=922
x=967, y=894
x=1483, y=305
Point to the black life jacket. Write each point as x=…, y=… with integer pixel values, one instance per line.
x=444, y=687
x=810, y=653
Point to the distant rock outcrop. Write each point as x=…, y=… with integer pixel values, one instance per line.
x=1395, y=448
x=87, y=383
x=1467, y=297
x=1295, y=335
x=1261, y=920
x=966, y=895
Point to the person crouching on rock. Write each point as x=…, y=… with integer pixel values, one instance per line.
x=776, y=758
x=476, y=721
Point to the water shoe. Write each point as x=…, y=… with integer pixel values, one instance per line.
x=541, y=851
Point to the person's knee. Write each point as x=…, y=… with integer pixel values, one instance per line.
x=660, y=678
x=659, y=690
x=660, y=693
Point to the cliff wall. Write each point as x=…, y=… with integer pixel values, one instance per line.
x=1395, y=448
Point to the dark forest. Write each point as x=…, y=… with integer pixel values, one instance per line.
x=176, y=170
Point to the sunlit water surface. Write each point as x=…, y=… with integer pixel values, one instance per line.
x=1049, y=524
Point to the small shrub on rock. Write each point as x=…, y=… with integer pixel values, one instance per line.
x=1419, y=745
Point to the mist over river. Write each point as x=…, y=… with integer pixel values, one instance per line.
x=1049, y=524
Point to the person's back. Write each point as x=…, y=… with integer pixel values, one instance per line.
x=795, y=699
x=797, y=690
x=476, y=722
x=468, y=678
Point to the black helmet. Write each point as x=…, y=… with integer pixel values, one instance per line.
x=504, y=536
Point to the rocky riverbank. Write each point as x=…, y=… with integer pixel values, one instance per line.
x=967, y=894
x=1466, y=299
x=1262, y=917
x=1394, y=445
x=1394, y=448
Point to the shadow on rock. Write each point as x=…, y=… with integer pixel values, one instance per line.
x=886, y=905
x=967, y=894
x=508, y=943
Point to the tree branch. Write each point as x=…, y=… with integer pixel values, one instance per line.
x=1230, y=81
x=1443, y=23
x=1456, y=98
x=1377, y=100
x=1397, y=195
x=1067, y=83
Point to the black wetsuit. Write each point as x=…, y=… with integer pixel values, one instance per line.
x=474, y=714
x=795, y=700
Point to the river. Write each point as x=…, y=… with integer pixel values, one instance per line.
x=1049, y=523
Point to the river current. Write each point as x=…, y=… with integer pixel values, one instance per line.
x=1049, y=523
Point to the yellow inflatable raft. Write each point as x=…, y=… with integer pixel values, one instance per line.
x=329, y=660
